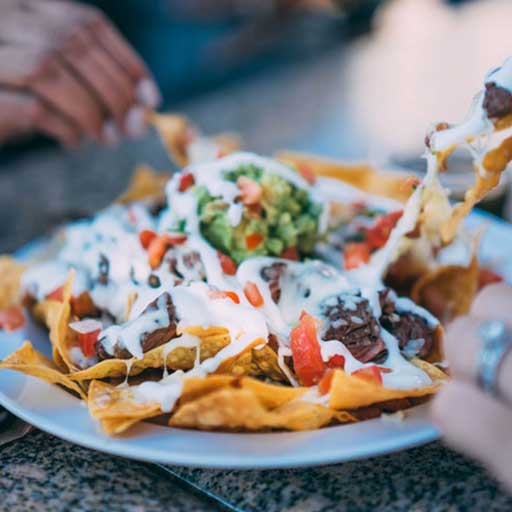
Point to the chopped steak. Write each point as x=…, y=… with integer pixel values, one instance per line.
x=406, y=327
x=149, y=340
x=272, y=275
x=350, y=320
x=497, y=101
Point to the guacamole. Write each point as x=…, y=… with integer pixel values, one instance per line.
x=284, y=217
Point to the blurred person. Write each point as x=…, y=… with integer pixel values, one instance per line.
x=474, y=410
x=68, y=72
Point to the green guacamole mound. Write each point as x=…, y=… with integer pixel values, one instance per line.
x=287, y=218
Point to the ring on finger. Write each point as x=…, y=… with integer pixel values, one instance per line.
x=496, y=342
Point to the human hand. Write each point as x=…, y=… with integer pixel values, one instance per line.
x=471, y=420
x=67, y=72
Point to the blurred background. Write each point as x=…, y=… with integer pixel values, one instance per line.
x=360, y=79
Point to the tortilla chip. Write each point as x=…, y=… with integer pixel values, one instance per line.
x=30, y=362
x=448, y=291
x=116, y=407
x=177, y=132
x=265, y=363
x=146, y=183
x=241, y=409
x=180, y=358
x=360, y=175
x=10, y=277
x=349, y=392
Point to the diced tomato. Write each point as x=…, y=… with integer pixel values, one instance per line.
x=383, y=369
x=290, y=253
x=488, y=276
x=410, y=183
x=175, y=238
x=156, y=250
x=307, y=357
x=356, y=254
x=88, y=342
x=145, y=237
x=227, y=264
x=186, y=181
x=159, y=245
x=253, y=294
x=369, y=374
x=324, y=386
x=220, y=294
x=12, y=318
x=57, y=294
x=306, y=172
x=336, y=361
x=250, y=190
x=87, y=331
x=221, y=153
x=378, y=235
x=253, y=241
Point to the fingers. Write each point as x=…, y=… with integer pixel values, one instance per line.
x=79, y=64
x=22, y=114
x=493, y=302
x=463, y=346
x=474, y=423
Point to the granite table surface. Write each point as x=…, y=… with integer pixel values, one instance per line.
x=309, y=107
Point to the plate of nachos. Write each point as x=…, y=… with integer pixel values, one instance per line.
x=251, y=311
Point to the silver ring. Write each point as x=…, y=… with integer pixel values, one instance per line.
x=496, y=342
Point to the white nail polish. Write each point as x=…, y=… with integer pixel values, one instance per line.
x=147, y=93
x=135, y=122
x=110, y=134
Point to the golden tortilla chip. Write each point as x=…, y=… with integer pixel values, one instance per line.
x=30, y=362
x=265, y=363
x=116, y=407
x=180, y=358
x=349, y=392
x=177, y=133
x=240, y=409
x=448, y=291
x=10, y=277
x=360, y=175
x=146, y=183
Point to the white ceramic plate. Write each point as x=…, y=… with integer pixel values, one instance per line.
x=55, y=411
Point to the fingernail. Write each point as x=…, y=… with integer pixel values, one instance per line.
x=110, y=134
x=135, y=122
x=147, y=93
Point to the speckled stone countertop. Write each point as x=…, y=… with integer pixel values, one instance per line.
x=306, y=108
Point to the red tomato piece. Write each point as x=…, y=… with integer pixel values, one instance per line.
x=57, y=294
x=12, y=318
x=145, y=237
x=253, y=241
x=307, y=357
x=324, y=386
x=187, y=180
x=336, y=361
x=253, y=294
x=88, y=342
x=250, y=190
x=488, y=276
x=219, y=294
x=175, y=238
x=227, y=264
x=378, y=235
x=290, y=253
x=306, y=172
x=356, y=254
x=369, y=374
